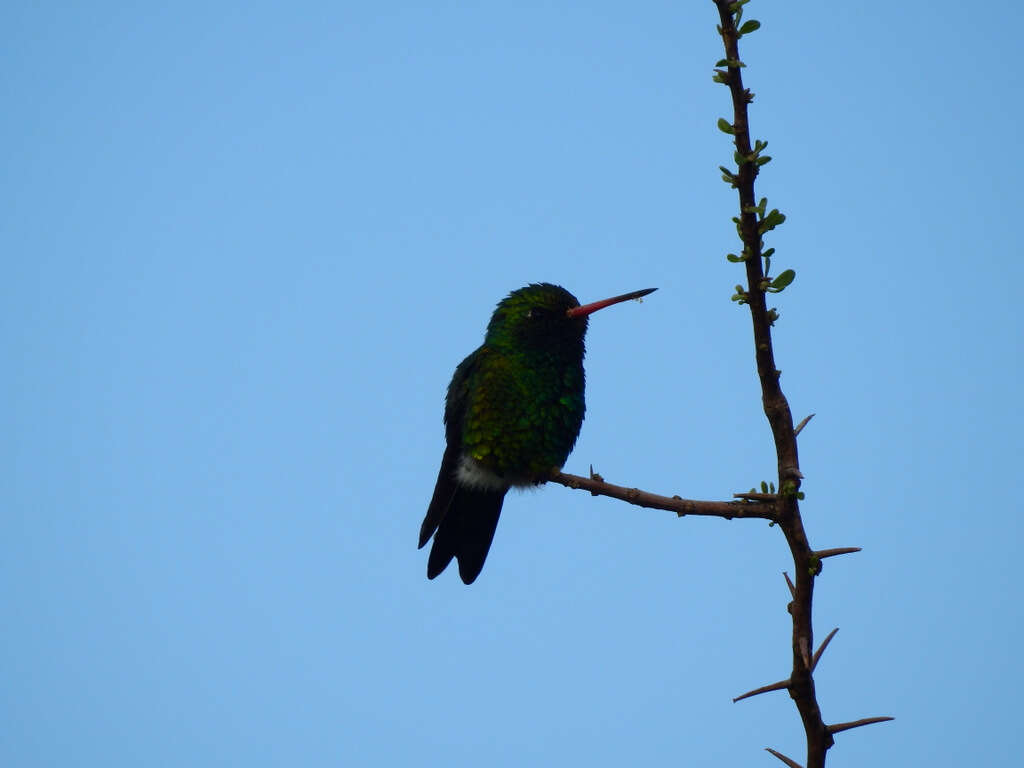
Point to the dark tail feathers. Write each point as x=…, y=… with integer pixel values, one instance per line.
x=462, y=521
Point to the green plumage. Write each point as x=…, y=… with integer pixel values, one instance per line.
x=513, y=413
x=519, y=398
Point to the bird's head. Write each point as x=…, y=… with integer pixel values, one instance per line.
x=543, y=314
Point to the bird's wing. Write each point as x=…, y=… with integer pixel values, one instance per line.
x=455, y=405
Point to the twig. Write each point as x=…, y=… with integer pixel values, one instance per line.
x=681, y=506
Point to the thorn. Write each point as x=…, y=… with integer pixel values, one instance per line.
x=822, y=554
x=779, y=686
x=821, y=648
x=802, y=424
x=783, y=758
x=792, y=589
x=856, y=724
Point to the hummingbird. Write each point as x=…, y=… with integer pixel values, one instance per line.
x=512, y=415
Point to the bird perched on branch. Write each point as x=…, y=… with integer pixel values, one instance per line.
x=513, y=412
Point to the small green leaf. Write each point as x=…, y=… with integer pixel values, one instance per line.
x=770, y=221
x=764, y=160
x=749, y=26
x=722, y=63
x=725, y=126
x=734, y=258
x=784, y=279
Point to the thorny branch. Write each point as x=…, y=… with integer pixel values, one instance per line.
x=807, y=562
x=781, y=508
x=764, y=510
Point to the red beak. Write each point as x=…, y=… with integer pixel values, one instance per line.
x=586, y=309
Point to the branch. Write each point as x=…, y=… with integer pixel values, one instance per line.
x=752, y=222
x=681, y=506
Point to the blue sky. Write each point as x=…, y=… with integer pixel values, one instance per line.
x=244, y=247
